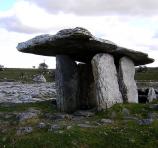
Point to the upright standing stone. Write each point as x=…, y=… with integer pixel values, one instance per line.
x=105, y=76
x=151, y=94
x=126, y=80
x=67, y=83
x=86, y=87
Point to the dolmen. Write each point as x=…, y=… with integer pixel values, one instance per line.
x=90, y=72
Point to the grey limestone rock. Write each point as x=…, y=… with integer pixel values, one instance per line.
x=80, y=44
x=85, y=125
x=66, y=84
x=55, y=127
x=106, y=121
x=41, y=125
x=145, y=122
x=85, y=113
x=39, y=79
x=127, y=83
x=105, y=75
x=30, y=113
x=24, y=130
x=151, y=94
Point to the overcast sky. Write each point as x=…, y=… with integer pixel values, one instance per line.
x=128, y=23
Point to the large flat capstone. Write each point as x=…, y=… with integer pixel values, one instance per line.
x=80, y=45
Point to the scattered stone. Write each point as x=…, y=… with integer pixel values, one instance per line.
x=55, y=127
x=85, y=126
x=151, y=94
x=145, y=121
x=68, y=127
x=58, y=116
x=31, y=113
x=153, y=116
x=24, y=130
x=105, y=76
x=106, y=121
x=84, y=113
x=41, y=125
x=113, y=115
x=125, y=112
x=39, y=78
x=153, y=106
x=126, y=80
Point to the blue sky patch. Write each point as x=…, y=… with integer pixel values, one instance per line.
x=6, y=4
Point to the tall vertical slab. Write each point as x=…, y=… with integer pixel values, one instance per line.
x=106, y=81
x=66, y=83
x=86, y=86
x=126, y=80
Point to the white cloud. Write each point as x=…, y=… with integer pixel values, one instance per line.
x=99, y=7
x=26, y=20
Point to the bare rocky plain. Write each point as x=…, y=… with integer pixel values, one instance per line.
x=17, y=92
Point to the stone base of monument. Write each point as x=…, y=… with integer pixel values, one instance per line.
x=97, y=85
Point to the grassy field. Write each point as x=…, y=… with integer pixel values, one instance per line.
x=150, y=74
x=25, y=75
x=122, y=133
x=15, y=74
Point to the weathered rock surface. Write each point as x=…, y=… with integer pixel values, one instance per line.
x=67, y=84
x=80, y=44
x=14, y=92
x=87, y=97
x=30, y=113
x=39, y=79
x=105, y=76
x=24, y=130
x=126, y=80
x=151, y=94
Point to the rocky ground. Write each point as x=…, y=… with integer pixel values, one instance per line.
x=28, y=118
x=16, y=92
x=39, y=125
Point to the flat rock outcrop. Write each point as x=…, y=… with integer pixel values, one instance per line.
x=15, y=92
x=81, y=45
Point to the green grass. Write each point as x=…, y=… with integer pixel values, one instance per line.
x=15, y=74
x=121, y=134
x=150, y=74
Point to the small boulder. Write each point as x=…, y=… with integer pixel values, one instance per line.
x=151, y=94
x=106, y=121
x=39, y=78
x=24, y=130
x=55, y=127
x=145, y=121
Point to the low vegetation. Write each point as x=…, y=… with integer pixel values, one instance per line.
x=25, y=75
x=149, y=74
x=124, y=132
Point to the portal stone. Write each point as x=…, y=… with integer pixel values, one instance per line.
x=87, y=87
x=67, y=84
x=105, y=76
x=127, y=83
